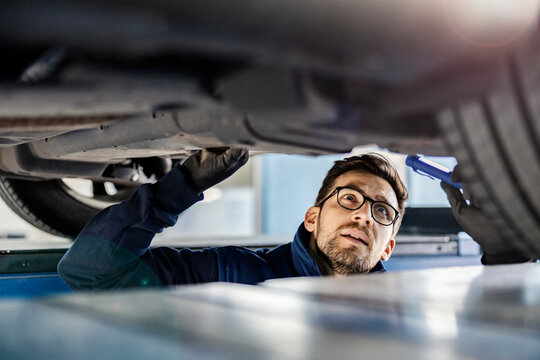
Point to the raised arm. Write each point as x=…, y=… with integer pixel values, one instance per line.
x=472, y=219
x=113, y=249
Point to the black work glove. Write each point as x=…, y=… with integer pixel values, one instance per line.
x=209, y=167
x=475, y=223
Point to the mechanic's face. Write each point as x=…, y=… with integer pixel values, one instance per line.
x=351, y=241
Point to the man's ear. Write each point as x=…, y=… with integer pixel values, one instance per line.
x=310, y=219
x=388, y=250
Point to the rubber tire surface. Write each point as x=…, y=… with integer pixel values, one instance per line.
x=496, y=139
x=46, y=205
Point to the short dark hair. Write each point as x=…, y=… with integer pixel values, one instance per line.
x=371, y=163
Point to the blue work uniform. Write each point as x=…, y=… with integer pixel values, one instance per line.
x=112, y=251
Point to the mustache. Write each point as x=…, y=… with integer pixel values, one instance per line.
x=355, y=226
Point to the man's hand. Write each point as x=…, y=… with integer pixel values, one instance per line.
x=475, y=223
x=209, y=167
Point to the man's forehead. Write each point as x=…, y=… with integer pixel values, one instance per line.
x=371, y=185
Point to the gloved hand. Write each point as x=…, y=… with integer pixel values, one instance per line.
x=209, y=167
x=475, y=223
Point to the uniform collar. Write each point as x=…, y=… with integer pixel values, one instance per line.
x=304, y=263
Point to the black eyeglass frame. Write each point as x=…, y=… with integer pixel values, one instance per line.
x=338, y=188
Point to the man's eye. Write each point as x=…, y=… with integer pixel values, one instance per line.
x=382, y=209
x=349, y=197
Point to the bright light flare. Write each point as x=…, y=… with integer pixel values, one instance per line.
x=490, y=23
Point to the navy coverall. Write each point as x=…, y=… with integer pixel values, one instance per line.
x=112, y=251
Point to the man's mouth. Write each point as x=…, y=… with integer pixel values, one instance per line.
x=355, y=236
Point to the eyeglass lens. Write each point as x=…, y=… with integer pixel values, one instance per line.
x=352, y=200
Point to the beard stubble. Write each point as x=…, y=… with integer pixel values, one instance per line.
x=343, y=261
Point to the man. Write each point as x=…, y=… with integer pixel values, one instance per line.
x=349, y=230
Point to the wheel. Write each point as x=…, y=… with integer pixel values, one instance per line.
x=55, y=207
x=496, y=139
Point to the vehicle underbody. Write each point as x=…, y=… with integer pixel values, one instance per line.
x=118, y=91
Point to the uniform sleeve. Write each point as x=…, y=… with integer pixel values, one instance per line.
x=112, y=251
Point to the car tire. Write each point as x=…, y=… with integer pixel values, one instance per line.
x=496, y=139
x=52, y=206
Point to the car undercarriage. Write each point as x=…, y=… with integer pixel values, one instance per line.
x=117, y=92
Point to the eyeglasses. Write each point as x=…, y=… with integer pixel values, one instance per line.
x=352, y=199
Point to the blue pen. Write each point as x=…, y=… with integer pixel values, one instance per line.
x=430, y=169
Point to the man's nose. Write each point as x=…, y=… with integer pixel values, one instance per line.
x=363, y=215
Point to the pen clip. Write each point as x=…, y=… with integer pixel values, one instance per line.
x=424, y=174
